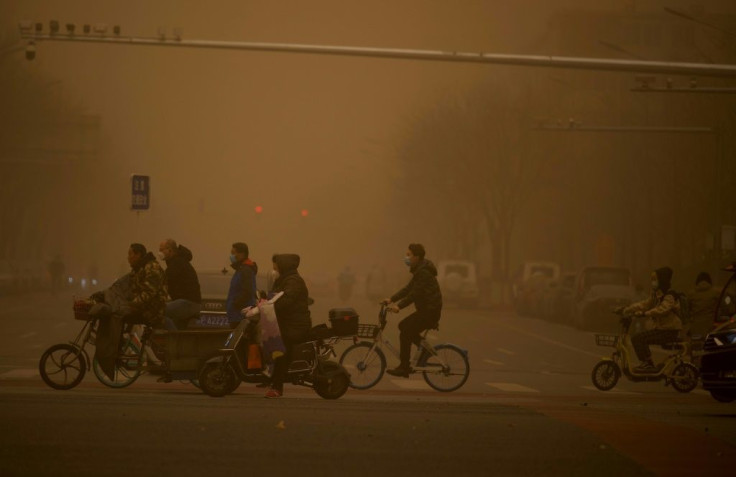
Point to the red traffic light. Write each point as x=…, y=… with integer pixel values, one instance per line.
x=305, y=212
x=258, y=209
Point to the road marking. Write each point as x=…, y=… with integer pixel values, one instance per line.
x=60, y=324
x=28, y=335
x=20, y=373
x=512, y=387
x=550, y=341
x=505, y=351
x=410, y=383
x=612, y=391
x=490, y=361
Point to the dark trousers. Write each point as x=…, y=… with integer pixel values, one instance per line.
x=281, y=364
x=410, y=329
x=642, y=341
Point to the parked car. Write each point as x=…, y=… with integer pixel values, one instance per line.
x=458, y=282
x=557, y=299
x=529, y=282
x=214, y=285
x=598, y=291
x=718, y=363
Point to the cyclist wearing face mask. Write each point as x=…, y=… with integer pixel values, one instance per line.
x=424, y=291
x=242, y=291
x=663, y=324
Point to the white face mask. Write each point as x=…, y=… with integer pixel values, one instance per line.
x=161, y=256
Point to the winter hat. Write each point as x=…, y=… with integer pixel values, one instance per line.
x=664, y=277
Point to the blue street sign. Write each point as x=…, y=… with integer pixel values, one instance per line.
x=141, y=189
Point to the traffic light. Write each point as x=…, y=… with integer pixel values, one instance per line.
x=258, y=209
x=305, y=212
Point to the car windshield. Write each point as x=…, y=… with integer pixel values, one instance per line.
x=548, y=272
x=214, y=284
x=461, y=270
x=727, y=304
x=604, y=276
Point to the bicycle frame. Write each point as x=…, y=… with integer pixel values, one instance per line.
x=621, y=356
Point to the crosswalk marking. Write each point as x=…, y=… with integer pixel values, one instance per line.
x=505, y=351
x=20, y=373
x=612, y=391
x=512, y=387
x=490, y=361
x=410, y=383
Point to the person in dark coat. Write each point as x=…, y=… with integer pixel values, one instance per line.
x=242, y=292
x=182, y=284
x=424, y=291
x=292, y=314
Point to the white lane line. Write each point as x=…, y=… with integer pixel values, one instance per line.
x=512, y=387
x=612, y=391
x=28, y=335
x=505, y=351
x=410, y=383
x=20, y=373
x=490, y=361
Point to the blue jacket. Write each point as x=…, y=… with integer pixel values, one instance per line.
x=243, y=290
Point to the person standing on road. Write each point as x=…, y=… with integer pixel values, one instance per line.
x=424, y=291
x=703, y=304
x=663, y=324
x=292, y=314
x=182, y=284
x=242, y=292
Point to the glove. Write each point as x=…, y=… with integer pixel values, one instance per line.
x=393, y=308
x=385, y=301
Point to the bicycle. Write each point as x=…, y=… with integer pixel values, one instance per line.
x=675, y=370
x=445, y=367
x=63, y=366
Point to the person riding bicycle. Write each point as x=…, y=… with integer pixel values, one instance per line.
x=424, y=291
x=663, y=324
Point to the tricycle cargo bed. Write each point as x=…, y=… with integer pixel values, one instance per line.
x=187, y=350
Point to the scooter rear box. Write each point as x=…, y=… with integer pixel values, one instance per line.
x=344, y=321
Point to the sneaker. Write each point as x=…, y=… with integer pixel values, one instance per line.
x=400, y=371
x=273, y=393
x=646, y=368
x=166, y=378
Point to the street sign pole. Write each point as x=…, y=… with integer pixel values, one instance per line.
x=140, y=197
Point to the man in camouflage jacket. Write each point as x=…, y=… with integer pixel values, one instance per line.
x=147, y=286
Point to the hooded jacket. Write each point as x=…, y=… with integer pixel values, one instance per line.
x=662, y=306
x=148, y=290
x=181, y=278
x=703, y=304
x=423, y=289
x=242, y=290
x=292, y=309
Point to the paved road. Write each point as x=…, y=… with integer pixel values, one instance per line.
x=528, y=408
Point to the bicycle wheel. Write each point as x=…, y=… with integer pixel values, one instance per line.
x=684, y=377
x=452, y=368
x=127, y=366
x=366, y=368
x=218, y=378
x=605, y=375
x=62, y=366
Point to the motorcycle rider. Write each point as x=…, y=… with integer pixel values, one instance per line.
x=242, y=292
x=424, y=291
x=663, y=324
x=292, y=314
x=182, y=283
